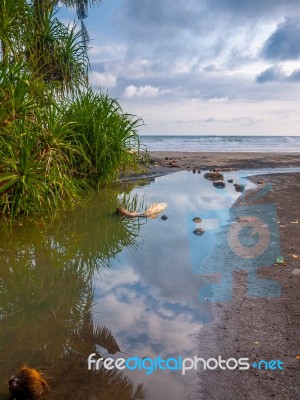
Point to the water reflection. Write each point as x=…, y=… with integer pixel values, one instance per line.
x=150, y=299
x=95, y=281
x=47, y=296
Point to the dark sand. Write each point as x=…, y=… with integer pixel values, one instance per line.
x=262, y=328
x=166, y=161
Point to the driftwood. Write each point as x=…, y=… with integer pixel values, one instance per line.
x=155, y=208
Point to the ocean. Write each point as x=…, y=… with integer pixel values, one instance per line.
x=272, y=144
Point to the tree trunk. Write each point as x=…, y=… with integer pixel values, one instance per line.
x=3, y=52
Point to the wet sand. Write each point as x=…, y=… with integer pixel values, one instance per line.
x=173, y=160
x=261, y=328
x=255, y=328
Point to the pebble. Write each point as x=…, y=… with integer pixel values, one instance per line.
x=199, y=232
x=219, y=185
x=197, y=220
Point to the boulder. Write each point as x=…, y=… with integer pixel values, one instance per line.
x=198, y=232
x=239, y=188
x=219, y=184
x=197, y=220
x=214, y=176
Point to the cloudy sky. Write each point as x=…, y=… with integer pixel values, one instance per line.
x=200, y=66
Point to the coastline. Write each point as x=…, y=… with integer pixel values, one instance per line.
x=229, y=160
x=256, y=328
x=166, y=162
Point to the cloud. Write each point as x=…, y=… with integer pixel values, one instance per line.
x=242, y=121
x=111, y=51
x=150, y=20
x=255, y=9
x=102, y=79
x=142, y=91
x=180, y=36
x=156, y=57
x=273, y=73
x=295, y=76
x=218, y=99
x=284, y=43
x=277, y=74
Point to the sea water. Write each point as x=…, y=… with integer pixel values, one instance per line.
x=282, y=144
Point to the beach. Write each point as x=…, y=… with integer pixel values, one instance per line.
x=262, y=328
x=164, y=161
x=258, y=328
x=137, y=280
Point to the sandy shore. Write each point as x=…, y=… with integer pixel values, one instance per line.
x=162, y=162
x=256, y=328
x=173, y=160
x=261, y=328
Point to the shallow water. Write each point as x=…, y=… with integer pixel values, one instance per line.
x=94, y=281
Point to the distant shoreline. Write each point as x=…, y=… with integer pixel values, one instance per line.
x=167, y=162
x=229, y=159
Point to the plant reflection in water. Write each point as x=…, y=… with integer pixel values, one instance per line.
x=46, y=296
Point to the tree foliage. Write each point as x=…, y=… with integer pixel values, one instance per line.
x=58, y=136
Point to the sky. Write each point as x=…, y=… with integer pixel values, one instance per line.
x=199, y=67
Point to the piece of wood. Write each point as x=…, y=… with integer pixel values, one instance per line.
x=126, y=213
x=155, y=208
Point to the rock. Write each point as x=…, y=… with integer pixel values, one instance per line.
x=199, y=171
x=166, y=158
x=198, y=232
x=188, y=167
x=230, y=181
x=239, y=188
x=245, y=219
x=214, y=176
x=259, y=182
x=194, y=171
x=197, y=220
x=164, y=217
x=219, y=185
